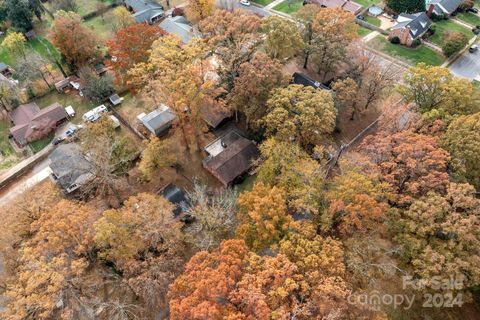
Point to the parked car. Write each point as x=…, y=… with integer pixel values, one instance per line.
x=94, y=114
x=245, y=3
x=360, y=17
x=57, y=140
x=476, y=30
x=473, y=48
x=70, y=132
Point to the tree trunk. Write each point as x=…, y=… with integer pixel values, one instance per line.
x=305, y=63
x=45, y=80
x=45, y=9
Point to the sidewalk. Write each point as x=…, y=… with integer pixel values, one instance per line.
x=273, y=4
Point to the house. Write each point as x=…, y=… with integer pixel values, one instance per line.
x=229, y=157
x=5, y=70
x=303, y=79
x=442, y=7
x=145, y=11
x=30, y=35
x=70, y=169
x=346, y=5
x=159, y=120
x=410, y=27
x=70, y=82
x=32, y=123
x=180, y=26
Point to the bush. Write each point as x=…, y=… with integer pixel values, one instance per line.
x=395, y=40
x=454, y=42
x=433, y=29
x=416, y=43
x=466, y=4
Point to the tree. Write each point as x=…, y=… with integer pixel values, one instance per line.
x=462, y=141
x=263, y=217
x=357, y=202
x=411, y=163
x=144, y=240
x=37, y=8
x=20, y=14
x=214, y=214
x=300, y=113
x=131, y=45
x=123, y=19
x=156, y=155
x=51, y=263
x=198, y=10
x=15, y=43
x=109, y=156
x=287, y=166
x=440, y=235
x=409, y=6
x=34, y=67
x=454, y=42
x=9, y=96
x=334, y=29
x=234, y=37
x=306, y=16
x=253, y=86
x=77, y=43
x=283, y=39
x=177, y=76
x=346, y=93
x=97, y=88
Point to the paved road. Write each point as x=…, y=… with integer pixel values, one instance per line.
x=467, y=66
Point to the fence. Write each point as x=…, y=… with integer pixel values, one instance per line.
x=371, y=26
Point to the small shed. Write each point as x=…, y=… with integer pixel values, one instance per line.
x=100, y=68
x=159, y=120
x=62, y=84
x=30, y=35
x=70, y=111
x=115, y=99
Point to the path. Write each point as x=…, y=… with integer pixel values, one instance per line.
x=370, y=36
x=273, y=4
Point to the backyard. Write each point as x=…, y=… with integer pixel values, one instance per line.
x=445, y=26
x=87, y=6
x=79, y=104
x=367, y=3
x=7, y=154
x=102, y=25
x=408, y=55
x=362, y=31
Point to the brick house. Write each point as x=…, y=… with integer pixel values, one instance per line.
x=410, y=27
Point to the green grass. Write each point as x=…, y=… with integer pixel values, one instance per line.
x=42, y=143
x=86, y=6
x=362, y=31
x=372, y=20
x=409, y=55
x=445, y=26
x=79, y=104
x=103, y=27
x=263, y=2
x=289, y=6
x=368, y=3
x=469, y=18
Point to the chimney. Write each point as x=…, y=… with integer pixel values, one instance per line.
x=430, y=10
x=405, y=35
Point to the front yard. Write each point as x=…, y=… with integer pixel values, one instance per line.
x=368, y=3
x=263, y=2
x=445, y=26
x=469, y=17
x=289, y=6
x=408, y=55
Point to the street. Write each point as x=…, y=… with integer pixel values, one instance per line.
x=467, y=66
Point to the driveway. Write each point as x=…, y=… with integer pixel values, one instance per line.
x=467, y=66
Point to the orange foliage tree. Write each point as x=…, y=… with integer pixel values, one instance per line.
x=411, y=163
x=130, y=46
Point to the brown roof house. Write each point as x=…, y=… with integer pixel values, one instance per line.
x=32, y=123
x=346, y=5
x=229, y=157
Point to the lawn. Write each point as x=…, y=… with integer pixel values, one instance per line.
x=87, y=6
x=38, y=145
x=443, y=27
x=263, y=2
x=374, y=21
x=468, y=17
x=368, y=3
x=79, y=104
x=409, y=55
x=362, y=31
x=289, y=6
x=103, y=27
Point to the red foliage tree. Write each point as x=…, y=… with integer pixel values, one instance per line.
x=130, y=46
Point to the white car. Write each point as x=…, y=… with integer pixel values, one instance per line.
x=94, y=114
x=245, y=3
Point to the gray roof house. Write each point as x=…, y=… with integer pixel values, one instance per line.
x=410, y=27
x=159, y=120
x=445, y=7
x=180, y=26
x=145, y=11
x=229, y=157
x=70, y=169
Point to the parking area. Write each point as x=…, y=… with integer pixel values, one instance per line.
x=467, y=66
